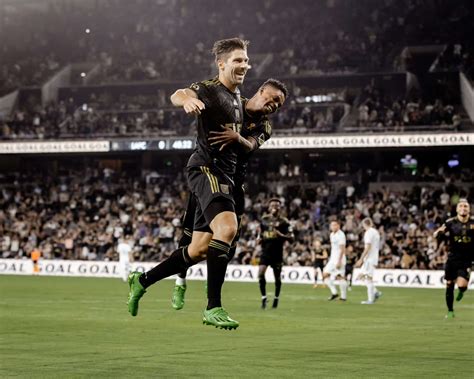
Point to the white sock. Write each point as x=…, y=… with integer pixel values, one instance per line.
x=375, y=288
x=180, y=281
x=370, y=291
x=343, y=287
x=331, y=286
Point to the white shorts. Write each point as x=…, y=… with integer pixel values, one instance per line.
x=368, y=269
x=331, y=269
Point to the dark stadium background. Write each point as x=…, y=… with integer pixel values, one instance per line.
x=88, y=133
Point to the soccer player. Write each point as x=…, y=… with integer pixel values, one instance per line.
x=124, y=248
x=459, y=231
x=256, y=130
x=369, y=259
x=335, y=269
x=275, y=230
x=217, y=103
x=318, y=256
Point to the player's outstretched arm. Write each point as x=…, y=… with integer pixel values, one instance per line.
x=228, y=136
x=188, y=99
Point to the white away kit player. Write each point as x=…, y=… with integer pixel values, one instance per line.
x=369, y=260
x=124, y=248
x=336, y=267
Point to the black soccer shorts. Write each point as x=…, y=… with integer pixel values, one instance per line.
x=213, y=194
x=454, y=269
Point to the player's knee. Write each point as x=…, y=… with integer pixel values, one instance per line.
x=450, y=284
x=225, y=232
x=198, y=251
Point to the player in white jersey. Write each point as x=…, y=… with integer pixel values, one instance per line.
x=336, y=266
x=124, y=248
x=369, y=260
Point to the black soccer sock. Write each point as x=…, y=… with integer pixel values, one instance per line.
x=263, y=284
x=277, y=274
x=217, y=260
x=462, y=289
x=316, y=278
x=185, y=239
x=178, y=261
x=232, y=250
x=450, y=296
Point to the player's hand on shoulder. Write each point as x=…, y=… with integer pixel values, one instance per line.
x=193, y=106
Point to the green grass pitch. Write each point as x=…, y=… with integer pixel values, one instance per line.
x=79, y=327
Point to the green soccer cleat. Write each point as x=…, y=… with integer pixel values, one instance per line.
x=459, y=296
x=177, y=301
x=136, y=292
x=219, y=318
x=450, y=315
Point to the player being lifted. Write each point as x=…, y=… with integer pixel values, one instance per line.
x=335, y=269
x=274, y=231
x=369, y=260
x=459, y=231
x=210, y=171
x=256, y=130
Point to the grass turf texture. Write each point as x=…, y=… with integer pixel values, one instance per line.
x=80, y=327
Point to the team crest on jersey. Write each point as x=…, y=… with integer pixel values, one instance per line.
x=251, y=126
x=225, y=188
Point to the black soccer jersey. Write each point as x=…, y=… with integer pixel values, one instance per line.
x=461, y=239
x=260, y=129
x=223, y=108
x=272, y=243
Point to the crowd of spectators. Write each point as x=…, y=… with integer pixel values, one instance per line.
x=69, y=120
x=142, y=40
x=82, y=215
x=379, y=112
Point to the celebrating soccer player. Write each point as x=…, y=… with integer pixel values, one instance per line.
x=256, y=130
x=459, y=231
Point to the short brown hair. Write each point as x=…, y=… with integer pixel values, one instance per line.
x=225, y=46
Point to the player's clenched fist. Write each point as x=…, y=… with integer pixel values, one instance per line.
x=193, y=106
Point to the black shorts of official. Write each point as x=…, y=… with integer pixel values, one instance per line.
x=454, y=269
x=213, y=194
x=274, y=263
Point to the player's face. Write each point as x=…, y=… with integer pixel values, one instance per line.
x=463, y=209
x=269, y=99
x=234, y=66
x=274, y=207
x=334, y=226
